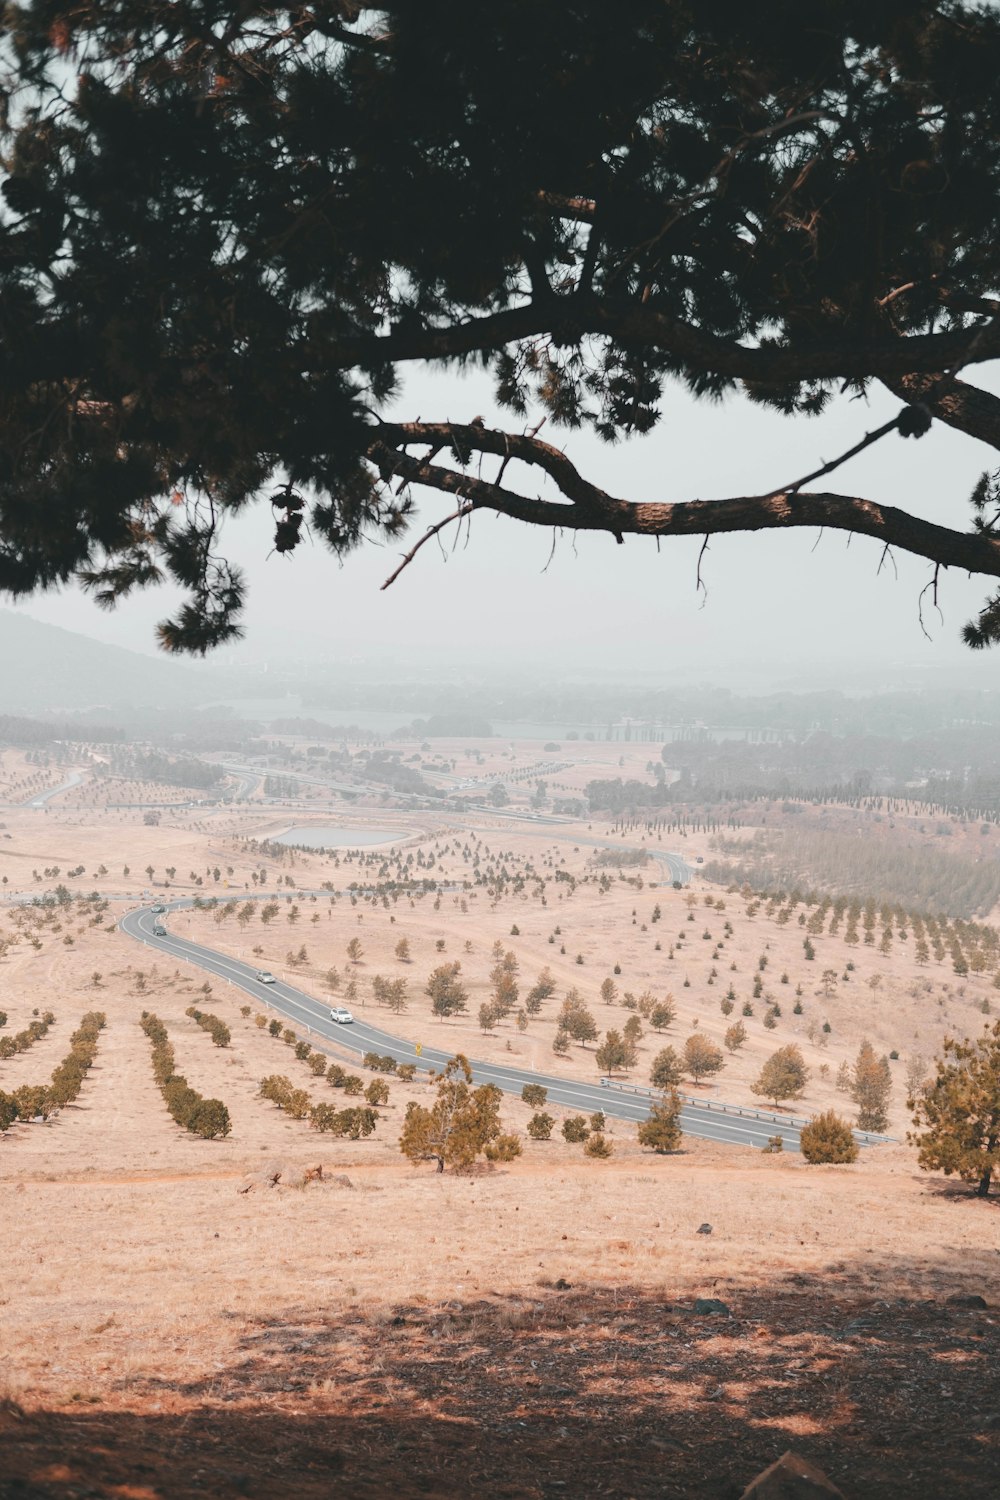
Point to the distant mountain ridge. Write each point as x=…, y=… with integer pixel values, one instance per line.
x=45, y=669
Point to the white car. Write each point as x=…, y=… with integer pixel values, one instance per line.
x=341, y=1015
x=264, y=976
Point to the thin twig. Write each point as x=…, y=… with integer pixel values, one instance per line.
x=700, y=586
x=835, y=463
x=932, y=584
x=456, y=515
x=887, y=553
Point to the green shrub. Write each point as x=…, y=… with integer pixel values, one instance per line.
x=317, y=1063
x=217, y=1030
x=298, y=1104
x=302, y=1050
x=353, y=1084
x=210, y=1119
x=32, y=1099
x=325, y=1118
x=377, y=1091
x=598, y=1120
x=358, y=1122
x=540, y=1127
x=8, y=1111
x=828, y=1139
x=274, y=1027
x=335, y=1075
x=534, y=1094
x=276, y=1088
x=378, y=1063
x=406, y=1072
x=575, y=1129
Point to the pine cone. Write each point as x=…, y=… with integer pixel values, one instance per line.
x=914, y=421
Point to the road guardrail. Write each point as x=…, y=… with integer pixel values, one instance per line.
x=742, y=1111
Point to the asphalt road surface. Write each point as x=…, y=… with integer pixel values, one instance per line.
x=748, y=1127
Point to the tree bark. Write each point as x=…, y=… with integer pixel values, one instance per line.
x=592, y=509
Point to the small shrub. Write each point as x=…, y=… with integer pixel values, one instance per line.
x=406, y=1071
x=209, y=1119
x=276, y=1088
x=298, y=1104
x=598, y=1147
x=534, y=1094
x=540, y=1127
x=8, y=1111
x=828, y=1139
x=662, y=1131
x=377, y=1092
x=503, y=1148
x=379, y=1063
x=575, y=1129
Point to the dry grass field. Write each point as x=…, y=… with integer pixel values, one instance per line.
x=529, y=1330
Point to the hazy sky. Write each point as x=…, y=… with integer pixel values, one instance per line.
x=780, y=607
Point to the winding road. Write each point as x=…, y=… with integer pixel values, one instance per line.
x=731, y=1124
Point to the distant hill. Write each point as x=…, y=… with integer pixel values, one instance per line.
x=46, y=669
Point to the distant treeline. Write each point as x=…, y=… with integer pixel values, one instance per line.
x=956, y=767
x=890, y=715
x=920, y=879
x=456, y=725
x=315, y=729
x=387, y=770
x=974, y=799
x=17, y=731
x=138, y=765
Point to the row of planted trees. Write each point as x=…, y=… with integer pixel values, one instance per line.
x=39, y=1101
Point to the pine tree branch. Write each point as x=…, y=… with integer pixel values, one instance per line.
x=964, y=407
x=692, y=348
x=588, y=508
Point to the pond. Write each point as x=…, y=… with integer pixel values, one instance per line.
x=315, y=837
